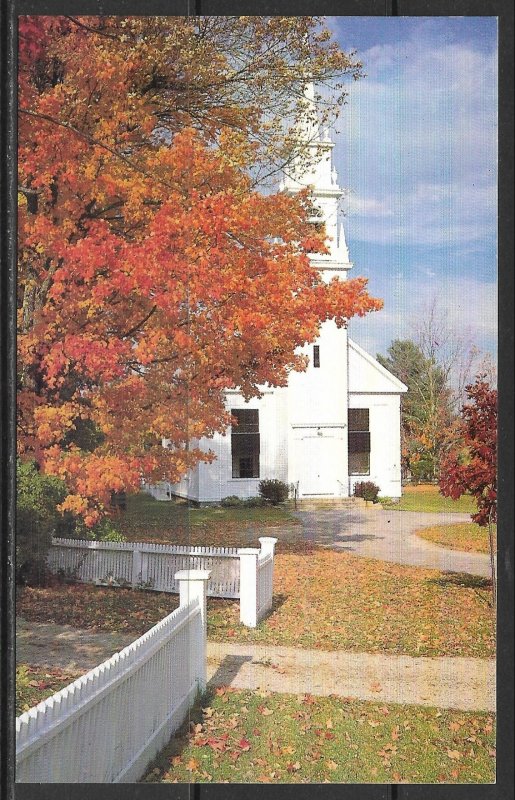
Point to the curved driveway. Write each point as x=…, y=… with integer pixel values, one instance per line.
x=389, y=536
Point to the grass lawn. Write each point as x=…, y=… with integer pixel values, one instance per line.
x=325, y=600
x=466, y=536
x=254, y=736
x=337, y=601
x=34, y=684
x=175, y=522
x=426, y=497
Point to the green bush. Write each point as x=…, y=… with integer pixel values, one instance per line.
x=37, y=520
x=368, y=490
x=274, y=491
x=103, y=531
x=387, y=501
x=254, y=502
x=231, y=501
x=22, y=689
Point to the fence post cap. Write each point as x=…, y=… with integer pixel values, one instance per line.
x=268, y=539
x=248, y=551
x=193, y=575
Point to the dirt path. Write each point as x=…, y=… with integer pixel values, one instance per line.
x=462, y=683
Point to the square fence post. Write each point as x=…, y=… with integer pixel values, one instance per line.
x=267, y=545
x=267, y=548
x=248, y=585
x=193, y=585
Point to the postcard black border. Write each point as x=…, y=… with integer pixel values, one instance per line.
x=503, y=789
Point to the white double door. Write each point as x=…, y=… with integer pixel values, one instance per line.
x=316, y=464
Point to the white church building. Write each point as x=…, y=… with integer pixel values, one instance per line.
x=335, y=424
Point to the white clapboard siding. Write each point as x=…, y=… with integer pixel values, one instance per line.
x=107, y=726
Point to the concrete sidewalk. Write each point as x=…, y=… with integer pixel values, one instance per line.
x=461, y=683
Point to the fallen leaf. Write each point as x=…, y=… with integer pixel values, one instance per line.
x=196, y=728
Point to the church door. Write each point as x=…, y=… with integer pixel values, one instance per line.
x=313, y=463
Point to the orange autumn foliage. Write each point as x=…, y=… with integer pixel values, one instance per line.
x=152, y=273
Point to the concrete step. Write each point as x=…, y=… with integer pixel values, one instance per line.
x=331, y=502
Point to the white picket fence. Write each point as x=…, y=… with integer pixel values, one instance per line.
x=107, y=726
x=243, y=573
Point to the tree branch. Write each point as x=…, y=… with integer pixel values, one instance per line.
x=140, y=323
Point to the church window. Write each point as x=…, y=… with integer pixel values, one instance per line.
x=316, y=355
x=359, y=441
x=245, y=443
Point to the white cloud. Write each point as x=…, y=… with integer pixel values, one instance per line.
x=418, y=144
x=430, y=214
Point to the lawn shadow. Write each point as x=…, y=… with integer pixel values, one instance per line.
x=357, y=537
x=464, y=579
x=277, y=602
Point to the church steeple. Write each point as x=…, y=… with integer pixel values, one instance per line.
x=321, y=176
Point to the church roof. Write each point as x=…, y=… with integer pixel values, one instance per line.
x=368, y=376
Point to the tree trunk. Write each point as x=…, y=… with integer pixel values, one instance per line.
x=492, y=560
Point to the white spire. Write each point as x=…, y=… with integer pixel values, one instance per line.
x=309, y=126
x=320, y=175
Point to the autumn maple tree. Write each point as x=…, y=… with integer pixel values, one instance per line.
x=153, y=274
x=471, y=467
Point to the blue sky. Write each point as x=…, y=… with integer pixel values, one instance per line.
x=416, y=153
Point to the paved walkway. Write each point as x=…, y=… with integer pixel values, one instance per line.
x=388, y=536
x=461, y=683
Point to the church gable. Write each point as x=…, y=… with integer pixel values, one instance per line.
x=367, y=376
